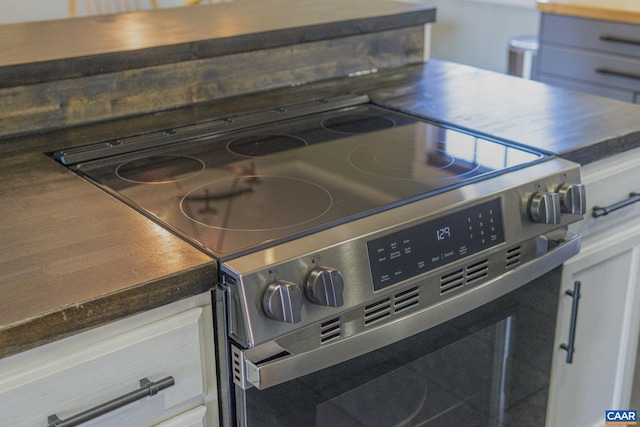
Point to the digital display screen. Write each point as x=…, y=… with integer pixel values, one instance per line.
x=416, y=250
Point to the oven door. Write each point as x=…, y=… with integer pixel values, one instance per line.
x=487, y=367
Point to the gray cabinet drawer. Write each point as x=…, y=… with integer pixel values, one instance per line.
x=590, y=66
x=604, y=36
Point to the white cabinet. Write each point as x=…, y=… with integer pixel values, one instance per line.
x=70, y=376
x=608, y=268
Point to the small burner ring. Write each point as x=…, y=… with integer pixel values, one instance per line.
x=357, y=123
x=264, y=144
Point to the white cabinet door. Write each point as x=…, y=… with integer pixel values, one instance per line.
x=607, y=330
x=84, y=371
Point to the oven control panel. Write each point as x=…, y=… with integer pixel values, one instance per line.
x=402, y=255
x=394, y=258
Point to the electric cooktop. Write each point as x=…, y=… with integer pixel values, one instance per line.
x=239, y=184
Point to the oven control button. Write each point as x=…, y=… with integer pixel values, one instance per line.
x=572, y=199
x=283, y=301
x=324, y=286
x=544, y=208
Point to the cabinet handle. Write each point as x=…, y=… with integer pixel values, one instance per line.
x=599, y=211
x=618, y=73
x=616, y=39
x=575, y=294
x=147, y=388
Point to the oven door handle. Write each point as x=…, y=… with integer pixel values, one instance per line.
x=270, y=364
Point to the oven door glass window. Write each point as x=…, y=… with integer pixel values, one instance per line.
x=488, y=367
x=461, y=384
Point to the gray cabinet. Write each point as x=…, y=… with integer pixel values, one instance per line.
x=598, y=57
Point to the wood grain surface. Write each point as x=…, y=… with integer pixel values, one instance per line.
x=627, y=11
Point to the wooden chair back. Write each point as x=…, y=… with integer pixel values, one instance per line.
x=104, y=7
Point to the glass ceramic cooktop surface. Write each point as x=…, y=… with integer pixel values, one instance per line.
x=242, y=190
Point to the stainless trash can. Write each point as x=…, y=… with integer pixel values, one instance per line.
x=523, y=51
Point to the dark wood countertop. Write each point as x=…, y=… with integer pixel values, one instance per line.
x=59, y=49
x=580, y=127
x=73, y=257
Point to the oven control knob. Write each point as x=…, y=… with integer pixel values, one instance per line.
x=544, y=208
x=283, y=301
x=324, y=286
x=572, y=199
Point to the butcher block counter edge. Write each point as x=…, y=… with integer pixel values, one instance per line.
x=626, y=11
x=72, y=319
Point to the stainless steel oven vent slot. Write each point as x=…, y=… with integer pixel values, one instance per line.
x=237, y=366
x=477, y=271
x=330, y=330
x=406, y=299
x=377, y=311
x=451, y=281
x=514, y=256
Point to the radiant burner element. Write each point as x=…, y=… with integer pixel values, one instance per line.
x=262, y=145
x=246, y=203
x=160, y=169
x=357, y=123
x=409, y=160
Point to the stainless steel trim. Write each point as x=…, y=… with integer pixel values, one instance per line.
x=205, y=129
x=263, y=374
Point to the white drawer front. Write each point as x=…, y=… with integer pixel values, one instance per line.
x=608, y=182
x=107, y=369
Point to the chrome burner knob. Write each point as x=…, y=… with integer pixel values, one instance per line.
x=324, y=286
x=544, y=208
x=572, y=199
x=283, y=301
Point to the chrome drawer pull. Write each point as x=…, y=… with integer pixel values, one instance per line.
x=599, y=211
x=616, y=39
x=616, y=73
x=570, y=348
x=147, y=388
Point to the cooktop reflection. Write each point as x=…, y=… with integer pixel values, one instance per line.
x=246, y=188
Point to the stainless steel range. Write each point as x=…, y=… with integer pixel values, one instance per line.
x=342, y=228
